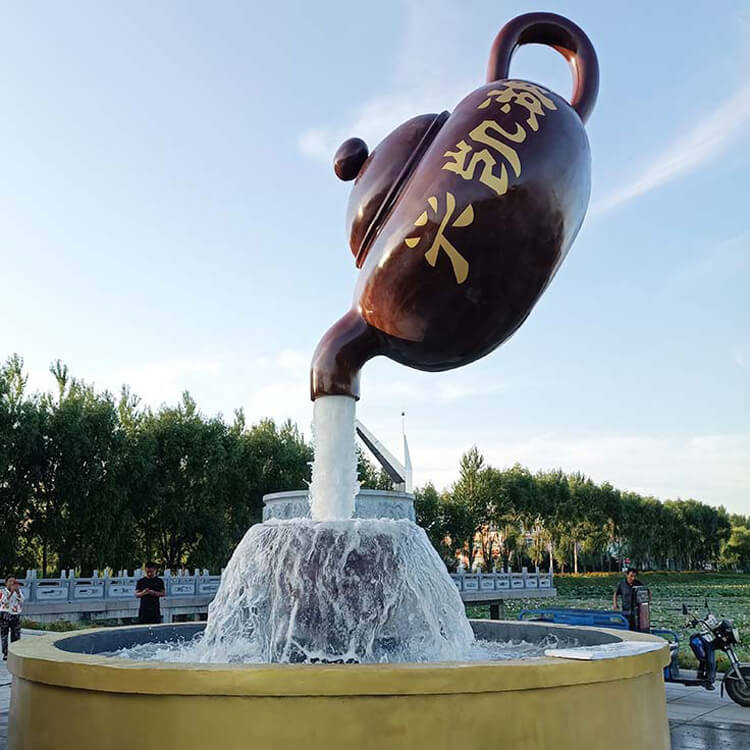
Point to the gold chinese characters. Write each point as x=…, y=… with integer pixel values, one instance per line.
x=490, y=140
x=487, y=154
x=459, y=263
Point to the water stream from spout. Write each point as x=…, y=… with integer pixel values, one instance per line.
x=334, y=475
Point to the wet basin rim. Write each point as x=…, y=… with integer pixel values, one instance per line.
x=43, y=660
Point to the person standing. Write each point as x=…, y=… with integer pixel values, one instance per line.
x=11, y=603
x=149, y=590
x=625, y=591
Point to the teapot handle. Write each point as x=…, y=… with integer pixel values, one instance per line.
x=560, y=33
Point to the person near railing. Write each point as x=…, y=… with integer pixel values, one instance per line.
x=11, y=603
x=149, y=590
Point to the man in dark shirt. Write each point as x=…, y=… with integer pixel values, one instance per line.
x=149, y=590
x=625, y=591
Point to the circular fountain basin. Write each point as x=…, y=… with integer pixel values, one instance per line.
x=67, y=696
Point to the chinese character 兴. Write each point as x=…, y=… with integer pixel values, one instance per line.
x=458, y=262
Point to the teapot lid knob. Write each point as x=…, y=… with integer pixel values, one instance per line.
x=349, y=158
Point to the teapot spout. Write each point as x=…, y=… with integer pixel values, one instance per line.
x=340, y=355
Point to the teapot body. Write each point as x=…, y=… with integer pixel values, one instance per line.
x=459, y=221
x=479, y=229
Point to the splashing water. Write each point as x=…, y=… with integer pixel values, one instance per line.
x=334, y=475
x=193, y=650
x=332, y=588
x=363, y=590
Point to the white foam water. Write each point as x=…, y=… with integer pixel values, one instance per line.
x=331, y=588
x=357, y=591
x=334, y=474
x=193, y=650
x=364, y=590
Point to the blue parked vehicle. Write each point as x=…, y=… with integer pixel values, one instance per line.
x=713, y=634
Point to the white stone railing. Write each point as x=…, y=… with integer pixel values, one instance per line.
x=68, y=588
x=503, y=581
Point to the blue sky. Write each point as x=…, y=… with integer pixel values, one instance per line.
x=169, y=218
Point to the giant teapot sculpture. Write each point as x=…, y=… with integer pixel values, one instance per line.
x=458, y=221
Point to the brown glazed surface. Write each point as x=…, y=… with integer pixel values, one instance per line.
x=381, y=175
x=459, y=223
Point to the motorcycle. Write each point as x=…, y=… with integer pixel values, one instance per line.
x=715, y=635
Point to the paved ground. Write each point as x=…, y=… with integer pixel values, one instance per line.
x=698, y=720
x=702, y=720
x=4, y=702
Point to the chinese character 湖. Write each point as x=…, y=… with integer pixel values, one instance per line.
x=529, y=96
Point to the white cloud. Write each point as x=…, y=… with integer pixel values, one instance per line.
x=281, y=400
x=445, y=392
x=729, y=258
x=741, y=355
x=450, y=392
x=286, y=359
x=422, y=82
x=39, y=378
x=377, y=117
x=708, y=139
x=161, y=382
x=154, y=382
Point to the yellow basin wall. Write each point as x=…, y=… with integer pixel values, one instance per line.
x=70, y=701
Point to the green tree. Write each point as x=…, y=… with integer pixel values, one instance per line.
x=471, y=492
x=22, y=458
x=370, y=476
x=83, y=485
x=190, y=495
x=88, y=480
x=736, y=551
x=429, y=515
x=460, y=529
x=261, y=459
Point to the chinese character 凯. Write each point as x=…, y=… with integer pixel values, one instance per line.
x=465, y=161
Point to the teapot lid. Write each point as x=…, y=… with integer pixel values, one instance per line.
x=382, y=176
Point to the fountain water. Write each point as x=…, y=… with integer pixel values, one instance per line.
x=334, y=475
x=331, y=588
x=365, y=590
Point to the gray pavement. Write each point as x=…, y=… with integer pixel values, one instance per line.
x=698, y=719
x=703, y=720
x=4, y=703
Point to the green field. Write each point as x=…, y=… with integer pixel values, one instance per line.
x=728, y=596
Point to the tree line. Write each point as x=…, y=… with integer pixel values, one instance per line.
x=89, y=479
x=491, y=519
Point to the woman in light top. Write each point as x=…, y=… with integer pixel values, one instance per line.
x=11, y=603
